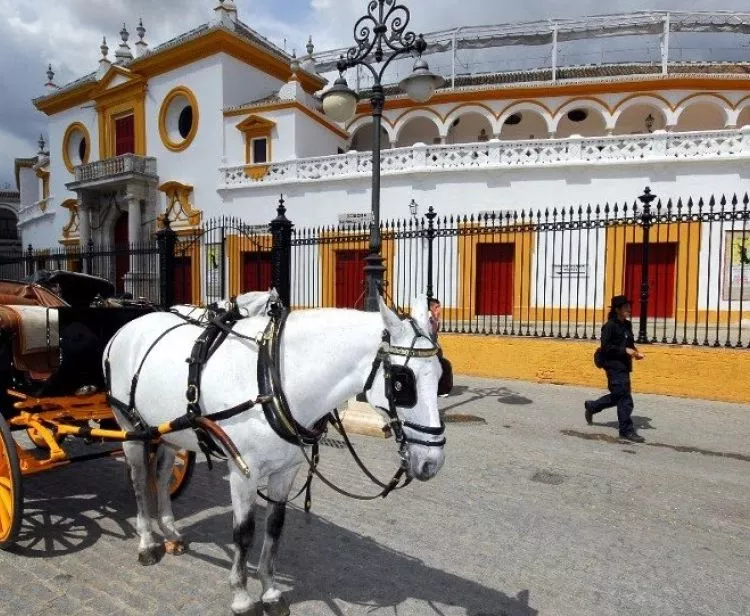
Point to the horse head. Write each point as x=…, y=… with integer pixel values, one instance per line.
x=406, y=385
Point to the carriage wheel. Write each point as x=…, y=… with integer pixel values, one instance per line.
x=182, y=471
x=11, y=488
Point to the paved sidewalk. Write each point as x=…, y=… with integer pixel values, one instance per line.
x=534, y=513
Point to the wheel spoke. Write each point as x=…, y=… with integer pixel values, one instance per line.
x=4, y=516
x=4, y=482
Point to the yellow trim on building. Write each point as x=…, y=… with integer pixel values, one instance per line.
x=567, y=362
x=687, y=238
x=254, y=127
x=164, y=110
x=237, y=246
x=179, y=211
x=470, y=236
x=117, y=102
x=70, y=235
x=43, y=175
x=280, y=106
x=75, y=126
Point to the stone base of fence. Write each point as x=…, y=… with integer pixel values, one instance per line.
x=685, y=371
x=361, y=418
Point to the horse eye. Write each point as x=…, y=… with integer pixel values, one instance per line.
x=398, y=386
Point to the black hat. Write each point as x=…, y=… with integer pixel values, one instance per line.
x=618, y=301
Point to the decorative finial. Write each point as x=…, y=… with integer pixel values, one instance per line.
x=50, y=74
x=41, y=143
x=123, y=52
x=310, y=46
x=104, y=47
x=140, y=30
x=294, y=65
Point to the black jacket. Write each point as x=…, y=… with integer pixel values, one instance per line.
x=617, y=337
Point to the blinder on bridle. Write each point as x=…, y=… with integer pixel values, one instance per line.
x=401, y=387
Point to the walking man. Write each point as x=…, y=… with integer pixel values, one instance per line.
x=616, y=356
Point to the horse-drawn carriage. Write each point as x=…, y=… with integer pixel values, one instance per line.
x=52, y=335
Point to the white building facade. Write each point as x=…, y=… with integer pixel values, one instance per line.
x=219, y=122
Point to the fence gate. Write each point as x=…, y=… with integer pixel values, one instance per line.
x=223, y=259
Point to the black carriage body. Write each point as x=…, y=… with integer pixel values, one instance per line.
x=84, y=334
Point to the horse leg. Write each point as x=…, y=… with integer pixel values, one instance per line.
x=135, y=453
x=173, y=541
x=279, y=486
x=243, y=503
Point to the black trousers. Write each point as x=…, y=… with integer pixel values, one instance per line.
x=621, y=396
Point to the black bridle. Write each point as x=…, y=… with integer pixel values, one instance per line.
x=400, y=387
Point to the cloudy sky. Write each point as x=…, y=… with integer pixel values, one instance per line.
x=67, y=33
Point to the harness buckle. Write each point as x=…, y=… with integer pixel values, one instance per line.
x=193, y=394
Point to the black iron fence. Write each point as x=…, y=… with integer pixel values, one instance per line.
x=551, y=273
x=132, y=268
x=536, y=273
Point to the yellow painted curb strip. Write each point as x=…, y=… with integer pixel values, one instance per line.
x=685, y=371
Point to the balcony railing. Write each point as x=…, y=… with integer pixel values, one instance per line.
x=111, y=168
x=656, y=147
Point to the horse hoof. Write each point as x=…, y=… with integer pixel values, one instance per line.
x=176, y=548
x=277, y=608
x=254, y=610
x=150, y=557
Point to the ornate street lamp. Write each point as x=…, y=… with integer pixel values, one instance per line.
x=380, y=38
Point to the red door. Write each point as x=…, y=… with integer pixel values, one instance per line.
x=662, y=262
x=494, y=288
x=256, y=271
x=125, y=135
x=183, y=280
x=122, y=254
x=350, y=275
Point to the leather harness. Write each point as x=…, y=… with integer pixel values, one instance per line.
x=400, y=390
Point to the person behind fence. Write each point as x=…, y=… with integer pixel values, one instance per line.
x=615, y=356
x=446, y=379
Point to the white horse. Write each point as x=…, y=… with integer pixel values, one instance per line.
x=326, y=357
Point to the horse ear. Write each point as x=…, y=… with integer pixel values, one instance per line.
x=420, y=312
x=392, y=322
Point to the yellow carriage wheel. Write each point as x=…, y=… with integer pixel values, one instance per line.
x=11, y=488
x=182, y=471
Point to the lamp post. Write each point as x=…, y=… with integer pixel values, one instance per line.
x=381, y=37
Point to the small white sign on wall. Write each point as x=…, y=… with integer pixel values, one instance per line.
x=355, y=219
x=570, y=270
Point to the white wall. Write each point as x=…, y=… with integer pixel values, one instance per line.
x=243, y=84
x=314, y=139
x=194, y=165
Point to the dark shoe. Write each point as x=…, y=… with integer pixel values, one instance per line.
x=589, y=412
x=633, y=437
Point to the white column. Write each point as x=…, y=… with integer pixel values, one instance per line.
x=665, y=46
x=133, y=199
x=554, y=53
x=84, y=224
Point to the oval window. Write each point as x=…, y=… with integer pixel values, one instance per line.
x=514, y=120
x=178, y=119
x=82, y=149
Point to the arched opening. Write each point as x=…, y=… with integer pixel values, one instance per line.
x=418, y=130
x=8, y=225
x=362, y=140
x=640, y=119
x=524, y=124
x=122, y=252
x=744, y=118
x=700, y=116
x=469, y=128
x=584, y=121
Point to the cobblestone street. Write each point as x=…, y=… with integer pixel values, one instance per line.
x=534, y=513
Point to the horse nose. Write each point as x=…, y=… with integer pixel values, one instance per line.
x=428, y=470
